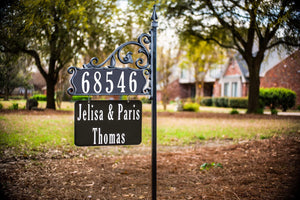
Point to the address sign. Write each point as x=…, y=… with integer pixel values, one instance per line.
x=101, y=123
x=108, y=81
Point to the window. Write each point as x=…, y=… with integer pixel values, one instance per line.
x=226, y=89
x=234, y=89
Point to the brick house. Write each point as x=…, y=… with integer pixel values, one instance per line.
x=232, y=79
x=285, y=74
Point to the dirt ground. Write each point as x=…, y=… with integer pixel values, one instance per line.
x=257, y=169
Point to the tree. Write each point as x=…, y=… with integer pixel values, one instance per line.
x=164, y=69
x=13, y=73
x=201, y=56
x=250, y=27
x=54, y=32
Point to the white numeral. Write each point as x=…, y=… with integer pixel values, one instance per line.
x=121, y=82
x=110, y=82
x=132, y=82
x=85, y=84
x=97, y=86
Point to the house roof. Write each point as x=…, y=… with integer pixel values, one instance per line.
x=272, y=58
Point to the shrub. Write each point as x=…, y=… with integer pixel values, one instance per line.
x=1, y=106
x=17, y=97
x=220, y=101
x=14, y=106
x=278, y=98
x=238, y=102
x=145, y=100
x=194, y=107
x=274, y=111
x=206, y=101
x=298, y=107
x=39, y=97
x=80, y=98
x=234, y=111
x=260, y=111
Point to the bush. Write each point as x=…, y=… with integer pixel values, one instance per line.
x=17, y=97
x=1, y=106
x=194, y=107
x=14, y=106
x=278, y=98
x=274, y=111
x=220, y=101
x=206, y=101
x=145, y=100
x=238, y=102
x=234, y=111
x=39, y=97
x=80, y=98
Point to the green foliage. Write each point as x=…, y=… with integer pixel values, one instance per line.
x=14, y=106
x=207, y=166
x=206, y=101
x=260, y=111
x=13, y=73
x=220, y=101
x=1, y=106
x=39, y=97
x=17, y=97
x=274, y=111
x=263, y=137
x=230, y=29
x=145, y=100
x=232, y=102
x=54, y=33
x=80, y=98
x=238, y=102
x=298, y=107
x=278, y=98
x=234, y=111
x=189, y=106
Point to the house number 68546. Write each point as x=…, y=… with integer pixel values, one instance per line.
x=108, y=83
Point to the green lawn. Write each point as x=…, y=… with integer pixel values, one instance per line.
x=39, y=133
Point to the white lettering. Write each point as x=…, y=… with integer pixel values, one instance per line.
x=107, y=138
x=95, y=135
x=120, y=110
x=123, y=138
x=79, y=117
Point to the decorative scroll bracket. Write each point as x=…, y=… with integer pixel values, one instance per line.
x=106, y=79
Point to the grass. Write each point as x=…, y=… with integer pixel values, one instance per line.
x=35, y=132
x=30, y=133
x=188, y=131
x=42, y=104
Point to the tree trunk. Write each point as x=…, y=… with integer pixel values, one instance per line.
x=50, y=94
x=6, y=92
x=254, y=83
x=202, y=88
x=26, y=94
x=197, y=90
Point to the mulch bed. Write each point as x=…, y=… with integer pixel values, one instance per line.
x=258, y=169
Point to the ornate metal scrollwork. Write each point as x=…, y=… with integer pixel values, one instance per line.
x=141, y=67
x=127, y=59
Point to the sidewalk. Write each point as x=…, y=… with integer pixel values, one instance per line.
x=284, y=113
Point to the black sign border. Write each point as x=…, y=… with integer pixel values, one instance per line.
x=109, y=101
x=73, y=90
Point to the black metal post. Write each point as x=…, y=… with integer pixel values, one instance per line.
x=154, y=102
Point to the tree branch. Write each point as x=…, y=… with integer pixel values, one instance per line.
x=37, y=59
x=225, y=24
